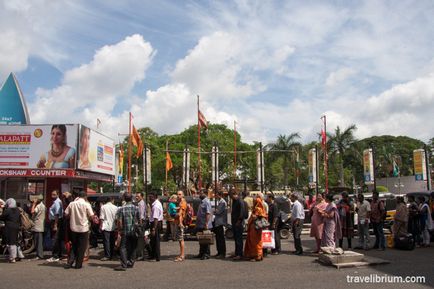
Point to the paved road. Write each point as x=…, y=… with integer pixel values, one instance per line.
x=283, y=271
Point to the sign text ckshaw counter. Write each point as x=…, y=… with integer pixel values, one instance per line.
x=37, y=159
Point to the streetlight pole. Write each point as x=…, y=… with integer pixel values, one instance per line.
x=374, y=168
x=428, y=173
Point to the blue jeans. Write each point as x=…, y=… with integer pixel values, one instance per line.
x=238, y=237
x=380, y=240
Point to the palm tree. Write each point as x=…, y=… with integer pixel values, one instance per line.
x=339, y=144
x=282, y=147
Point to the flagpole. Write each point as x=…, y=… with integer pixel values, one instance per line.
x=167, y=149
x=129, y=156
x=198, y=148
x=326, y=161
x=235, y=150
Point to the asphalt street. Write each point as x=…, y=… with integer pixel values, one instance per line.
x=282, y=271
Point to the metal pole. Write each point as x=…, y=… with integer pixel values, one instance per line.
x=129, y=157
x=261, y=167
x=374, y=168
x=317, y=170
x=215, y=175
x=428, y=173
x=145, y=153
x=326, y=161
x=199, y=181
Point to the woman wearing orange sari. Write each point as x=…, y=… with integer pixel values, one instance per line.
x=253, y=247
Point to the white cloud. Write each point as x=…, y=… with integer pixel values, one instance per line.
x=92, y=90
x=339, y=76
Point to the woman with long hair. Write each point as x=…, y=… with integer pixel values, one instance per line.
x=60, y=155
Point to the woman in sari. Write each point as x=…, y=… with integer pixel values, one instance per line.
x=346, y=215
x=253, y=247
x=400, y=221
x=316, y=227
x=332, y=224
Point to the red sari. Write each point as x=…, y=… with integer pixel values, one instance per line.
x=253, y=247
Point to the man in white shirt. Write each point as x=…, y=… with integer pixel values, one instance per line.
x=79, y=212
x=156, y=220
x=108, y=226
x=297, y=219
x=364, y=213
x=38, y=215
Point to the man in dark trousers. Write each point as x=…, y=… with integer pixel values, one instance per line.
x=79, y=213
x=273, y=219
x=141, y=205
x=237, y=220
x=156, y=220
x=127, y=218
x=220, y=221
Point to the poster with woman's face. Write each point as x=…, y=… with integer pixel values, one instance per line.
x=38, y=146
x=95, y=152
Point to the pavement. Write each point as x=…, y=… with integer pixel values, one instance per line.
x=281, y=271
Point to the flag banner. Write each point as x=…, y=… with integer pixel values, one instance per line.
x=169, y=164
x=137, y=141
x=396, y=171
x=215, y=164
x=419, y=165
x=186, y=168
x=260, y=165
x=312, y=167
x=368, y=166
x=202, y=120
x=147, y=166
x=323, y=138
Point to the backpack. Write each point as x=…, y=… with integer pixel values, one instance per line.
x=189, y=214
x=26, y=222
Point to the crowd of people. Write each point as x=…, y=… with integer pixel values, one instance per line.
x=125, y=227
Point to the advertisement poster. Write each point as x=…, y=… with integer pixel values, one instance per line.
x=147, y=166
x=96, y=152
x=312, y=167
x=368, y=166
x=38, y=146
x=419, y=165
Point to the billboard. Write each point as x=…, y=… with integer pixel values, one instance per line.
x=419, y=165
x=96, y=152
x=312, y=167
x=368, y=167
x=38, y=146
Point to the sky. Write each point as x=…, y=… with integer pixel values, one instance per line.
x=274, y=67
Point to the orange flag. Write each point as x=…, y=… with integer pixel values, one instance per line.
x=137, y=141
x=169, y=164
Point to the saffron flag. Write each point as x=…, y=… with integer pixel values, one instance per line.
x=137, y=141
x=169, y=164
x=121, y=158
x=202, y=120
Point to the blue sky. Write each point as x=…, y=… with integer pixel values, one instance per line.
x=273, y=66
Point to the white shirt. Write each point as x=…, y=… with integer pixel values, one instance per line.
x=79, y=213
x=157, y=211
x=108, y=216
x=297, y=211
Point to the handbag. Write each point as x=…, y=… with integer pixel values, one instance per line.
x=261, y=223
x=268, y=240
x=205, y=237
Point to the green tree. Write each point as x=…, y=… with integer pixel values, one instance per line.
x=285, y=148
x=338, y=144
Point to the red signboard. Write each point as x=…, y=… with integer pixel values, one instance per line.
x=36, y=173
